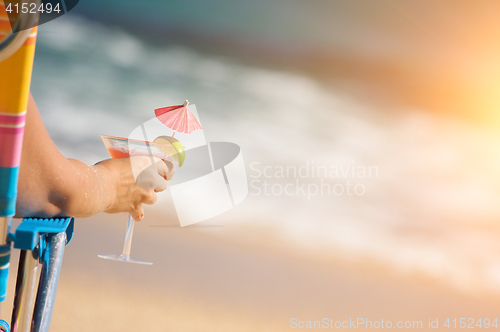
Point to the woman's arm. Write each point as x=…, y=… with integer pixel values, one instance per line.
x=52, y=185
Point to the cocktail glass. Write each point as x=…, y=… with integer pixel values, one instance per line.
x=118, y=148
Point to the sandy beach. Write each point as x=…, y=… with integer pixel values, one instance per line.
x=208, y=278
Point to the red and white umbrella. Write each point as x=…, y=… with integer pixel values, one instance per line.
x=178, y=118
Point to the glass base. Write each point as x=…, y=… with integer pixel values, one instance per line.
x=126, y=259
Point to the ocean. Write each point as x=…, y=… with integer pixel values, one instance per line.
x=414, y=191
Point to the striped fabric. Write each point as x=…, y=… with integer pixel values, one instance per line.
x=6, y=21
x=15, y=78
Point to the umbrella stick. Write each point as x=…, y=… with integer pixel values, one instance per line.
x=173, y=134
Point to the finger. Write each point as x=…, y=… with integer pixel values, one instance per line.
x=150, y=198
x=157, y=182
x=165, y=169
x=161, y=184
x=160, y=176
x=149, y=179
x=170, y=169
x=137, y=213
x=141, y=163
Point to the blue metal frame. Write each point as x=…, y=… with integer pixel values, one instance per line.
x=41, y=240
x=34, y=230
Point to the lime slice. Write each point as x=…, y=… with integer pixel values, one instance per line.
x=171, y=146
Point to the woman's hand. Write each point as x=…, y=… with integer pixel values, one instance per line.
x=135, y=181
x=51, y=185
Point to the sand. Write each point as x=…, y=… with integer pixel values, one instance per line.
x=209, y=278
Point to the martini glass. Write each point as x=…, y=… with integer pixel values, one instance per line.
x=118, y=148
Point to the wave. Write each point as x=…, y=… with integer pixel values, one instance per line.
x=432, y=208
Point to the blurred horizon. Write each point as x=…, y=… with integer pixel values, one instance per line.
x=439, y=57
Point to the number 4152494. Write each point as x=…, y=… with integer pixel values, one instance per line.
x=32, y=8
x=470, y=323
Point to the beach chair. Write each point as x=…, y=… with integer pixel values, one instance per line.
x=40, y=241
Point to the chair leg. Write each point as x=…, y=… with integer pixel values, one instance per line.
x=25, y=291
x=48, y=282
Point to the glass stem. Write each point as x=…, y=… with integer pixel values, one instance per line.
x=128, y=237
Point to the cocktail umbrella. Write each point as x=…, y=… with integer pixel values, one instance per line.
x=178, y=118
